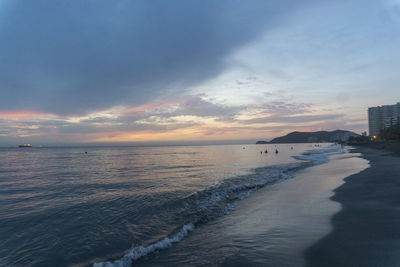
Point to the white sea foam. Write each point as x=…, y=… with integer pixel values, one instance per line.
x=321, y=156
x=275, y=174
x=138, y=252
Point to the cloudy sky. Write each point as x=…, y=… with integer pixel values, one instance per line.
x=179, y=71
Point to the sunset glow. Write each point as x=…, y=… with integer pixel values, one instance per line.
x=312, y=72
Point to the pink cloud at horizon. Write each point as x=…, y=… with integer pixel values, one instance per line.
x=15, y=114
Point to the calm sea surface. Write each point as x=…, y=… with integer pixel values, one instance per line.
x=114, y=205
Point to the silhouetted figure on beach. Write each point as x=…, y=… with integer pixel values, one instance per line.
x=276, y=151
x=266, y=151
x=291, y=148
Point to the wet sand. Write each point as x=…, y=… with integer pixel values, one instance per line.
x=389, y=146
x=366, y=231
x=273, y=227
x=288, y=217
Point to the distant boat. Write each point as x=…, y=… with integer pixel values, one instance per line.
x=25, y=145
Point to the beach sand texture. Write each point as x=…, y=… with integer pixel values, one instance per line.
x=366, y=231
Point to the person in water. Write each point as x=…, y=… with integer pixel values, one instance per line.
x=276, y=151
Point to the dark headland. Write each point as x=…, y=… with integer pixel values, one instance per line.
x=366, y=232
x=311, y=137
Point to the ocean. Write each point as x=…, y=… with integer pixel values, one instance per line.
x=114, y=206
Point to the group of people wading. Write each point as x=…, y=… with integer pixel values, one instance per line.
x=276, y=151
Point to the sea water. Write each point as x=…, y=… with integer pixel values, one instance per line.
x=112, y=206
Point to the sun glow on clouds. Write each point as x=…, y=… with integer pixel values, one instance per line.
x=109, y=114
x=20, y=114
x=312, y=72
x=192, y=117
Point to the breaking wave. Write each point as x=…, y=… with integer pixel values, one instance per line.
x=138, y=252
x=221, y=199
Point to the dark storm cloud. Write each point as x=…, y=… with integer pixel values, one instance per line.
x=71, y=57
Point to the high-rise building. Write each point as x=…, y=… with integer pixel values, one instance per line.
x=382, y=117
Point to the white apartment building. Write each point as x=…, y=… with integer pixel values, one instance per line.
x=382, y=117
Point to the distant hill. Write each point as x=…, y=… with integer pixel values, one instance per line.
x=311, y=137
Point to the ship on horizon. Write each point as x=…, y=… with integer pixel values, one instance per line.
x=25, y=145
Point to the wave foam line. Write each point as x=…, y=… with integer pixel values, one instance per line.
x=138, y=252
x=320, y=156
x=315, y=157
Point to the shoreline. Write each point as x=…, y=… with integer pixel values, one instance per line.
x=389, y=146
x=272, y=227
x=366, y=231
x=287, y=171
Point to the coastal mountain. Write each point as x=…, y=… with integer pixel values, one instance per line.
x=312, y=137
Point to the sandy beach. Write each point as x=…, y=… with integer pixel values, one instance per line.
x=366, y=231
x=199, y=133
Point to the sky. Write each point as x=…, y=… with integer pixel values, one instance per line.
x=97, y=71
